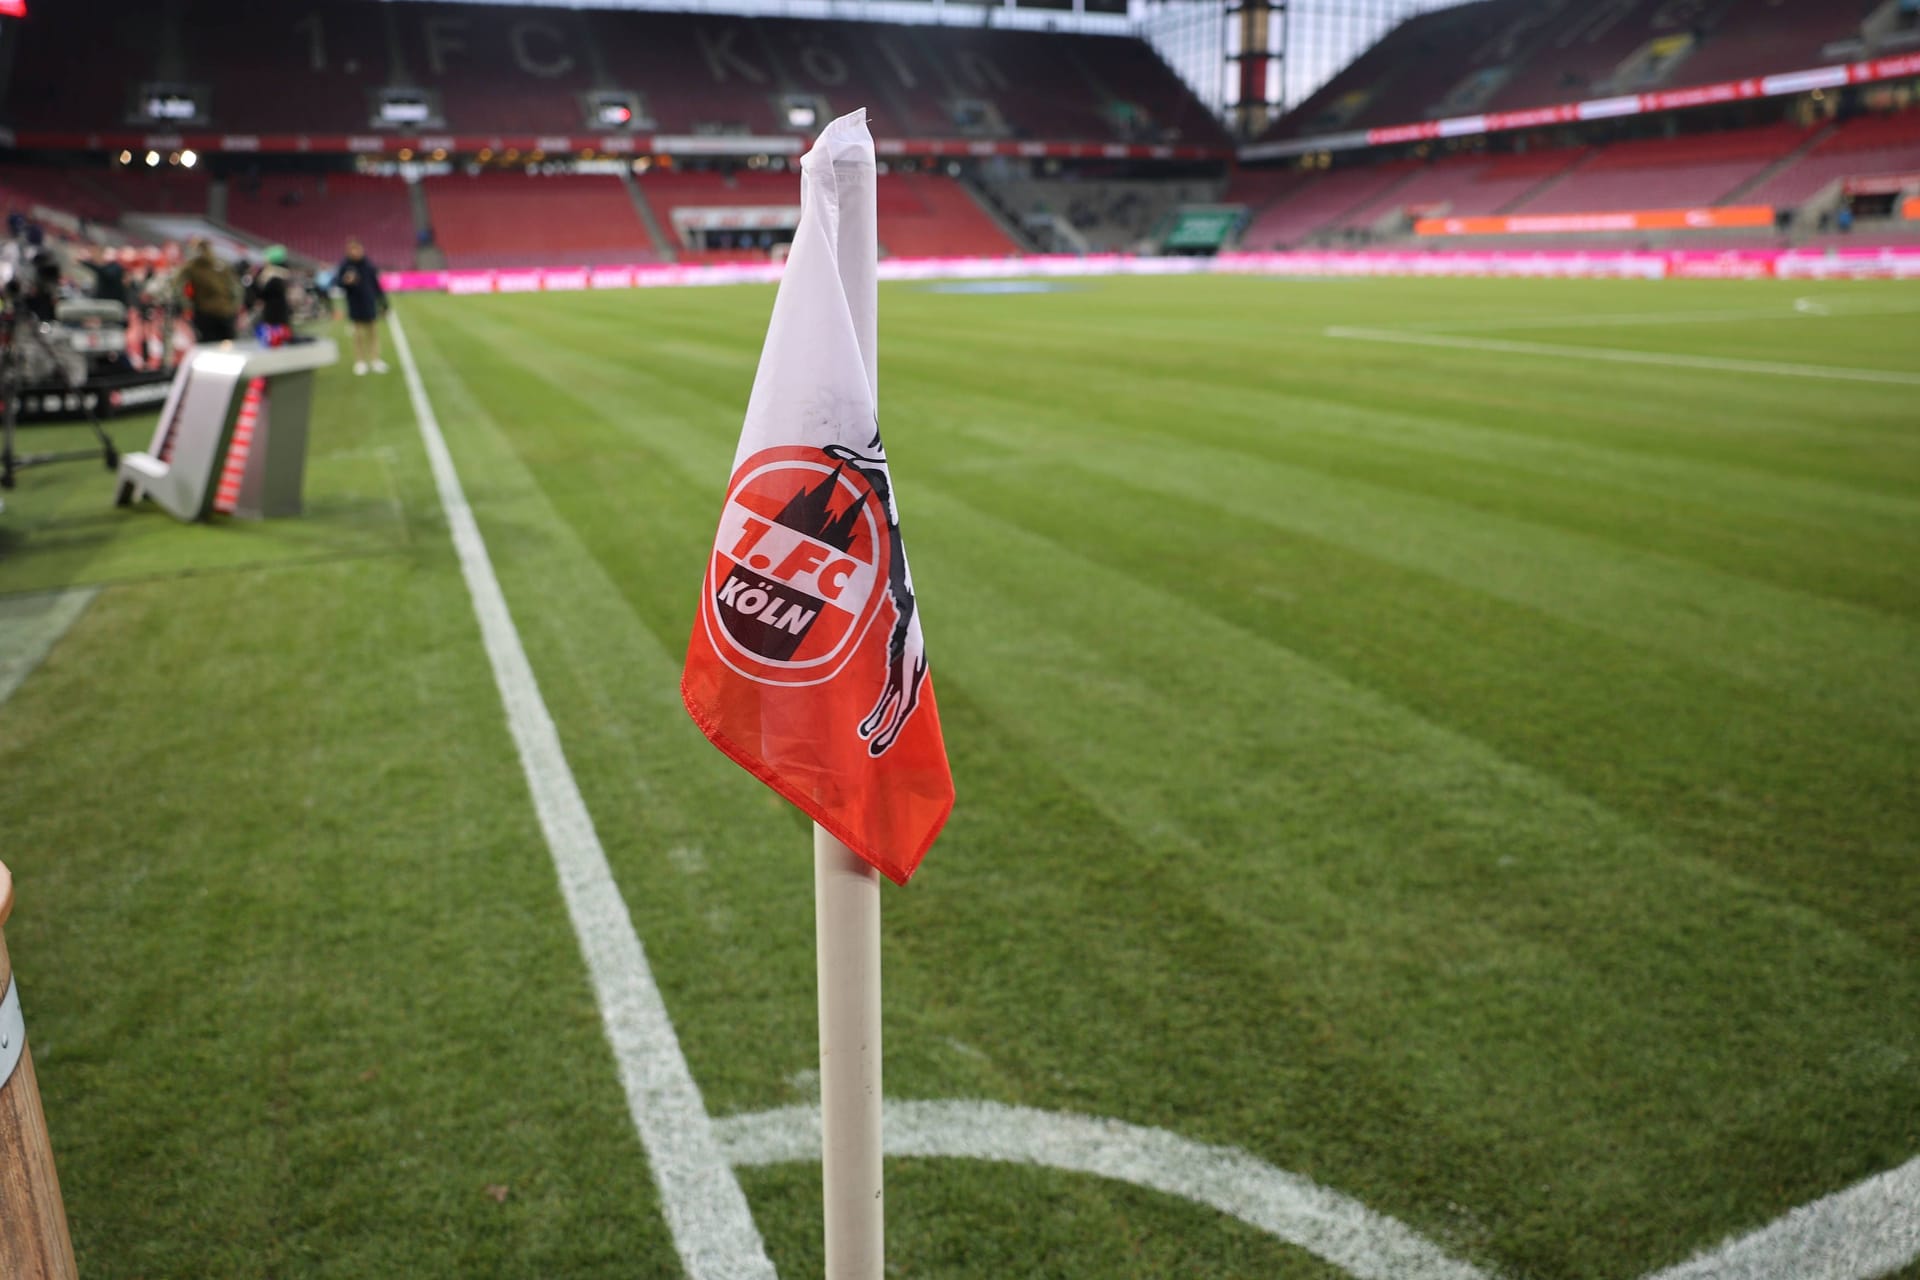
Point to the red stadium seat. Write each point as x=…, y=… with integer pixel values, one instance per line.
x=512, y=219
x=1863, y=147
x=315, y=216
x=1668, y=173
x=921, y=215
x=925, y=215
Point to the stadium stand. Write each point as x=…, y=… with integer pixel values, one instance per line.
x=1562, y=53
x=58, y=188
x=1502, y=55
x=1258, y=188
x=921, y=214
x=1324, y=203
x=510, y=219
x=494, y=77
x=1757, y=37
x=1470, y=184
x=667, y=191
x=523, y=70
x=166, y=189
x=1667, y=173
x=1401, y=77
x=1107, y=214
x=101, y=193
x=1781, y=164
x=1131, y=77
x=1861, y=147
x=926, y=215
x=694, y=76
x=314, y=214
x=267, y=74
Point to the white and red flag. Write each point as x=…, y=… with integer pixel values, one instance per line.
x=807, y=665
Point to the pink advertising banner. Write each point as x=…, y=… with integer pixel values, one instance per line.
x=1866, y=262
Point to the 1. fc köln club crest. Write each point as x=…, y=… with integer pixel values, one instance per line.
x=807, y=561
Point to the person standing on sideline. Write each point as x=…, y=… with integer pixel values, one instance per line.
x=209, y=288
x=359, y=280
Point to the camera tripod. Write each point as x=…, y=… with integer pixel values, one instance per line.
x=15, y=323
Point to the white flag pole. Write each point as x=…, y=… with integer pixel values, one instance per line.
x=846, y=887
x=839, y=204
x=847, y=934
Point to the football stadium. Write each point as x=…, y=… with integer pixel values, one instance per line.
x=1398, y=755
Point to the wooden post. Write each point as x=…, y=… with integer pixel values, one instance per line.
x=33, y=1223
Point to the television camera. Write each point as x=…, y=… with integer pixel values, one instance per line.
x=50, y=350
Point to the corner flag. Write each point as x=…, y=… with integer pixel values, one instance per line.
x=806, y=664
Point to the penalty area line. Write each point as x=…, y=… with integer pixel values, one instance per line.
x=1870, y=1229
x=1287, y=1206
x=706, y=1210
x=1719, y=364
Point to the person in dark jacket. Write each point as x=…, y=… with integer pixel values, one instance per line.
x=273, y=322
x=358, y=280
x=109, y=277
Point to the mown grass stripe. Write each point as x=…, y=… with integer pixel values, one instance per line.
x=1849, y=657
x=712, y=1227
x=1607, y=355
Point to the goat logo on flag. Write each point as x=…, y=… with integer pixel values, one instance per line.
x=806, y=664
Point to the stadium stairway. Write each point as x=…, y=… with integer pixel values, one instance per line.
x=1863, y=146
x=1684, y=171
x=1465, y=185
x=1808, y=146
x=1005, y=219
x=1537, y=192
x=1384, y=196
x=428, y=256
x=1326, y=202
x=663, y=244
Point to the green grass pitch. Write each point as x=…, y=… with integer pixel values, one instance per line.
x=1487, y=784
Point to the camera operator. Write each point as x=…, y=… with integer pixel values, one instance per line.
x=42, y=299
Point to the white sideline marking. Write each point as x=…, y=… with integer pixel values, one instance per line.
x=1605, y=319
x=1297, y=1210
x=30, y=626
x=712, y=1227
x=1870, y=1229
x=1803, y=309
x=1607, y=355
